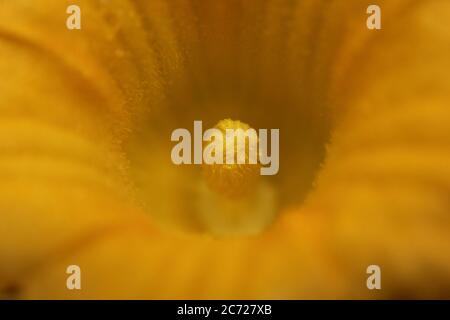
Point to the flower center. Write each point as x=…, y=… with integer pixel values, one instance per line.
x=233, y=198
x=233, y=178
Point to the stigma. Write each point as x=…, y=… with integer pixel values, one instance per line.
x=235, y=171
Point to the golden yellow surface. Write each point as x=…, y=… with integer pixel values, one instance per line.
x=85, y=170
x=233, y=180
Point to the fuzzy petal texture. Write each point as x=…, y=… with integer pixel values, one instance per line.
x=85, y=170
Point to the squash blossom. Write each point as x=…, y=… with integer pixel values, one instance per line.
x=86, y=177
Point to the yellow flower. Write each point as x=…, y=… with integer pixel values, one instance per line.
x=85, y=170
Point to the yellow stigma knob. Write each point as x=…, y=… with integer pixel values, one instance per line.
x=238, y=173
